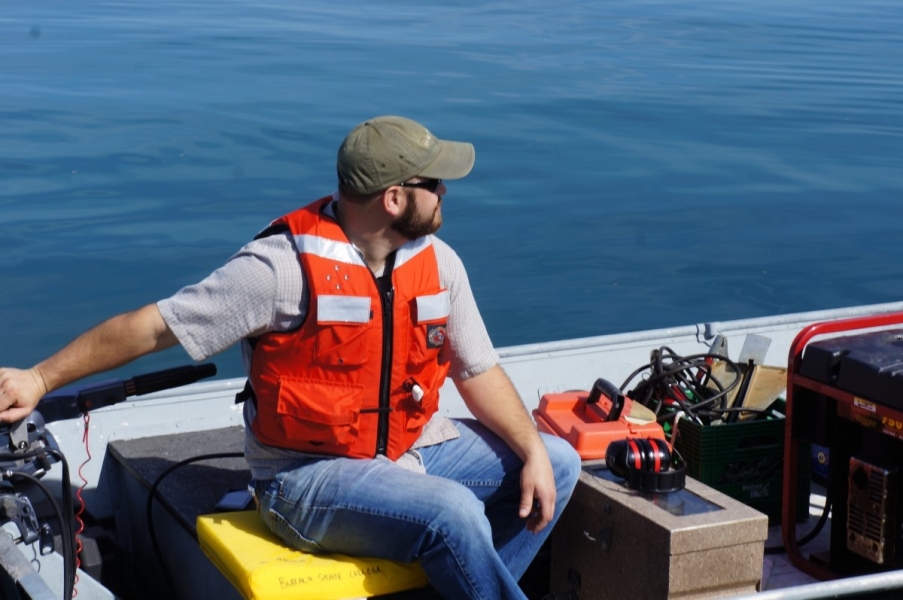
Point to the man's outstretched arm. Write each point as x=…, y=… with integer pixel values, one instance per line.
x=111, y=344
x=492, y=399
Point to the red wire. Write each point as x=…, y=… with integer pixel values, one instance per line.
x=81, y=503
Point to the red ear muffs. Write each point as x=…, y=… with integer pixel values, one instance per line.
x=641, y=454
x=645, y=463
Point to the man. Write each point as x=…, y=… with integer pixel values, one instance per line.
x=351, y=314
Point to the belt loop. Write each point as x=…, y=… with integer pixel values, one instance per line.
x=252, y=489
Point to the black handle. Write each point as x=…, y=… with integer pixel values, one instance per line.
x=611, y=391
x=168, y=378
x=70, y=403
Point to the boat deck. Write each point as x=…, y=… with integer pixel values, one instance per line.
x=193, y=489
x=778, y=572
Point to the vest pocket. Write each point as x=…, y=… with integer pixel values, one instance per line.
x=319, y=412
x=342, y=345
x=430, y=381
x=429, y=316
x=426, y=342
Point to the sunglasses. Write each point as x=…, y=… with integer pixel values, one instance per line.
x=431, y=185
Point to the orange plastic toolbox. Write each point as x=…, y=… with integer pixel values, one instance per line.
x=591, y=420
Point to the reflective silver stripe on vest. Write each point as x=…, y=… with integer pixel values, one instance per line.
x=433, y=308
x=342, y=252
x=345, y=252
x=412, y=249
x=343, y=309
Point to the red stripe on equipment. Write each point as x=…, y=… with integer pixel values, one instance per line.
x=658, y=454
x=637, y=455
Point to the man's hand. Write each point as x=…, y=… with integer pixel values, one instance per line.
x=537, y=486
x=20, y=392
x=495, y=403
x=111, y=344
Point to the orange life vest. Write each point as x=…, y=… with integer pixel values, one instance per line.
x=361, y=376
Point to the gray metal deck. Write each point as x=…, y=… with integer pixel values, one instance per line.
x=777, y=570
x=193, y=489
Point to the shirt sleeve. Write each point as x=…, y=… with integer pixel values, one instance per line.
x=262, y=288
x=259, y=289
x=468, y=347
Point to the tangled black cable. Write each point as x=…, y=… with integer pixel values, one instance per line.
x=673, y=383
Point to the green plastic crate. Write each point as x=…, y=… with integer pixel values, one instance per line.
x=745, y=460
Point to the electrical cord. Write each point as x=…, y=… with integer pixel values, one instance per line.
x=69, y=525
x=674, y=383
x=63, y=516
x=822, y=521
x=152, y=494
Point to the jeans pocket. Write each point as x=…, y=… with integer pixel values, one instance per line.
x=290, y=535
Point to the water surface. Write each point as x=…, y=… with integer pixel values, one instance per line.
x=640, y=164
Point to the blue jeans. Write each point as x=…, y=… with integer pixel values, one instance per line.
x=460, y=520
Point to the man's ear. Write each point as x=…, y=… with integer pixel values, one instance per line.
x=394, y=201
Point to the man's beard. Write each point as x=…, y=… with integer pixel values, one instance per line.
x=412, y=225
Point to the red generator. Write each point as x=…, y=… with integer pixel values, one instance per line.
x=845, y=393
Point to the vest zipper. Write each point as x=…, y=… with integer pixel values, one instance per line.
x=385, y=379
x=386, y=297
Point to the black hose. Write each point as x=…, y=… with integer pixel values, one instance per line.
x=167, y=576
x=64, y=516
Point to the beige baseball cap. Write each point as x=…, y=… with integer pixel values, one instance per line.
x=386, y=151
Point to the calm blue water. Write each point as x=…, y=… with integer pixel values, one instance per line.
x=640, y=164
